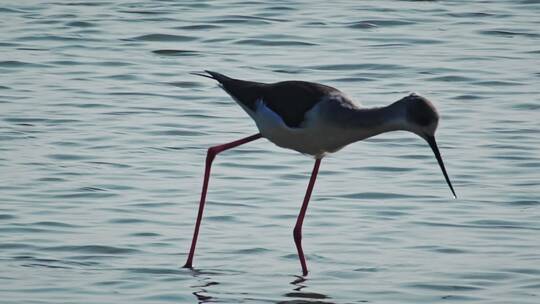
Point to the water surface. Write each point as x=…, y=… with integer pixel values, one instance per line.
x=103, y=135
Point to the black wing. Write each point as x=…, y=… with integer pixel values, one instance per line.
x=289, y=99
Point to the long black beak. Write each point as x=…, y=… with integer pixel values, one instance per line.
x=433, y=144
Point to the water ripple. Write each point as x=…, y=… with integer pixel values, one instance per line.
x=163, y=37
x=104, y=133
x=176, y=52
x=96, y=249
x=267, y=42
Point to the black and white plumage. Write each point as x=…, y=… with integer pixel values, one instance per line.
x=316, y=119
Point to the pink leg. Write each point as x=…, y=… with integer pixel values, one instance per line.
x=297, y=232
x=212, y=152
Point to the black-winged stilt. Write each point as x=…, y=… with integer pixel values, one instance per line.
x=315, y=119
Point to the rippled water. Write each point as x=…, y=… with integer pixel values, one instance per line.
x=103, y=135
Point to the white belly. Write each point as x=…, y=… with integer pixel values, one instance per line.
x=313, y=137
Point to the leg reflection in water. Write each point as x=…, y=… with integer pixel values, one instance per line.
x=304, y=297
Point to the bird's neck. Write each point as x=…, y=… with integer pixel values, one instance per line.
x=368, y=122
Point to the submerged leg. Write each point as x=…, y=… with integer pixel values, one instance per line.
x=297, y=232
x=212, y=152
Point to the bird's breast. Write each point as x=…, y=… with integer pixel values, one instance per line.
x=315, y=136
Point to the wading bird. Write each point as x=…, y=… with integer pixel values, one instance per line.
x=315, y=119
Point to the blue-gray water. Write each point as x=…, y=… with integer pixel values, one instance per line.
x=103, y=135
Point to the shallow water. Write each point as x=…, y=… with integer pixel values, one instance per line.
x=103, y=135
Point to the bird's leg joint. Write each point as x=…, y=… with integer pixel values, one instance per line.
x=211, y=154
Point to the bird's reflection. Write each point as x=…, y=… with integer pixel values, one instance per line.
x=301, y=297
x=204, y=281
x=295, y=296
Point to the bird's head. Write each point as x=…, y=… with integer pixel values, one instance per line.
x=422, y=119
x=420, y=114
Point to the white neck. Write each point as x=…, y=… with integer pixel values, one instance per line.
x=363, y=123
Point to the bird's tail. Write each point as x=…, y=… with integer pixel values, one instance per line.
x=212, y=75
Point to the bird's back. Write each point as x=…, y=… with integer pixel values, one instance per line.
x=291, y=100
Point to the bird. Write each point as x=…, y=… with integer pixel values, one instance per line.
x=316, y=120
